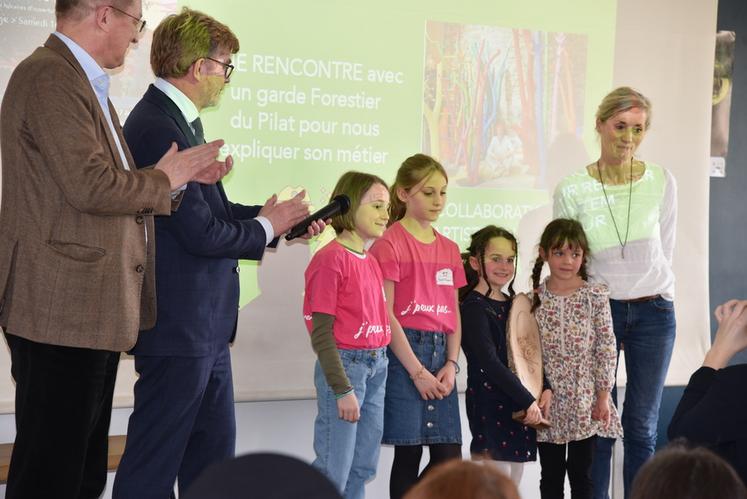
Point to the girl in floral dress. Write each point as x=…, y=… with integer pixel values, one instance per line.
x=579, y=355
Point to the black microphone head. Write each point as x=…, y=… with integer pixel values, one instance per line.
x=344, y=201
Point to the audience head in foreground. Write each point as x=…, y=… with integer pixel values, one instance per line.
x=266, y=475
x=458, y=479
x=687, y=473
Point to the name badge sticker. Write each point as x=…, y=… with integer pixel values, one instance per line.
x=444, y=277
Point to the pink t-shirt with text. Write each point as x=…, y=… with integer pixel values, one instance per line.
x=426, y=278
x=350, y=287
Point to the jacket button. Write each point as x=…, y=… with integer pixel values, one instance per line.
x=139, y=269
x=236, y=269
x=139, y=219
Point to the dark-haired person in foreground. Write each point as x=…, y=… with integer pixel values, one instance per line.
x=183, y=419
x=76, y=245
x=713, y=409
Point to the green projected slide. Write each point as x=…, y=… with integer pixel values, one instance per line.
x=487, y=88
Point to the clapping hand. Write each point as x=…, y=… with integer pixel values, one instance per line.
x=197, y=163
x=731, y=336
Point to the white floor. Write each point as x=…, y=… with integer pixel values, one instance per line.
x=287, y=427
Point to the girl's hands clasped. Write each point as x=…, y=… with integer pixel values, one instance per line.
x=447, y=376
x=428, y=385
x=533, y=415
x=348, y=408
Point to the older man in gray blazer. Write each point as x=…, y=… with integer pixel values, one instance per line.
x=76, y=245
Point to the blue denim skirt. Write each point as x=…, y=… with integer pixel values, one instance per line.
x=408, y=419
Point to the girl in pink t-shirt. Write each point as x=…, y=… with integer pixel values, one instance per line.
x=346, y=315
x=422, y=274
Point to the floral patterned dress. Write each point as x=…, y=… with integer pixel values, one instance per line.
x=579, y=357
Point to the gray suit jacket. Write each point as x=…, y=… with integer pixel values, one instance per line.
x=75, y=269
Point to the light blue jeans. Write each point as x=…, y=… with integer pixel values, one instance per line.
x=647, y=330
x=348, y=453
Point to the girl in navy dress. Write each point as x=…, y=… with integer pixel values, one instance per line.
x=493, y=391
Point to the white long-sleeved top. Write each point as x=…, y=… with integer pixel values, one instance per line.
x=646, y=268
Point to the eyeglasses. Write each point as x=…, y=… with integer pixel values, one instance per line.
x=227, y=68
x=140, y=21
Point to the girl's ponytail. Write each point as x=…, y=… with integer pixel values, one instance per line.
x=536, y=273
x=472, y=276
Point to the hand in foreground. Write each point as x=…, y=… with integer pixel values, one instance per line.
x=447, y=376
x=533, y=415
x=545, y=402
x=731, y=336
x=285, y=214
x=601, y=409
x=348, y=408
x=428, y=386
x=196, y=163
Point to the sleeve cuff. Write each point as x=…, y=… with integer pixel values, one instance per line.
x=269, y=232
x=703, y=375
x=179, y=190
x=348, y=390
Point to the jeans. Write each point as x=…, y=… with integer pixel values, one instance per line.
x=577, y=464
x=348, y=453
x=646, y=330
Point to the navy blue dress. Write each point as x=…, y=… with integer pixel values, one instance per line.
x=493, y=391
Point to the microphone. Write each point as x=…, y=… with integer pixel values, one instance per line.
x=339, y=205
